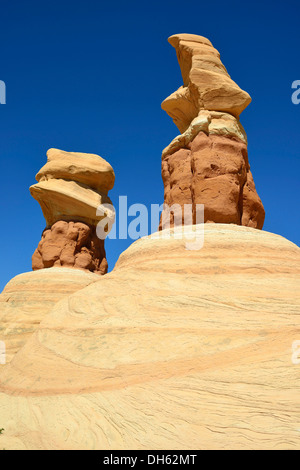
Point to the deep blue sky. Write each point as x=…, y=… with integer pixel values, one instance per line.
x=89, y=76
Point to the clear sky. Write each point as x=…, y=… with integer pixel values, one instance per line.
x=89, y=76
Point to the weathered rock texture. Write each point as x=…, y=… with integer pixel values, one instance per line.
x=27, y=299
x=71, y=188
x=72, y=245
x=208, y=163
x=174, y=349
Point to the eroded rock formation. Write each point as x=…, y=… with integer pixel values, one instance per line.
x=174, y=349
x=208, y=163
x=71, y=244
x=71, y=188
x=29, y=297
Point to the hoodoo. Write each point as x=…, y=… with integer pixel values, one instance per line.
x=71, y=187
x=208, y=162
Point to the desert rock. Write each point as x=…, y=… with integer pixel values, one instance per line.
x=27, y=299
x=174, y=349
x=213, y=170
x=206, y=82
x=69, y=244
x=208, y=162
x=72, y=191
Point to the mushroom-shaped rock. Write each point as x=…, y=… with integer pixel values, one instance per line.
x=72, y=192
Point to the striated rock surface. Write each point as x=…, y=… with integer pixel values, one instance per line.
x=28, y=298
x=72, y=192
x=174, y=349
x=208, y=163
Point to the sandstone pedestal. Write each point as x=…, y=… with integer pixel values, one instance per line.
x=72, y=245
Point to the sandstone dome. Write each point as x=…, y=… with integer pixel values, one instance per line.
x=174, y=349
x=28, y=297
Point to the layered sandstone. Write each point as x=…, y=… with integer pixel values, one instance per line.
x=208, y=162
x=29, y=297
x=194, y=352
x=206, y=82
x=72, y=191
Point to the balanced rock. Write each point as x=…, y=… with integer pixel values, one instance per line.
x=208, y=162
x=72, y=191
x=206, y=82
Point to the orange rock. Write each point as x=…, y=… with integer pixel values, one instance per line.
x=214, y=171
x=70, y=244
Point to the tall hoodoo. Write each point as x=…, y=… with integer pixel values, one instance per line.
x=70, y=189
x=208, y=162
